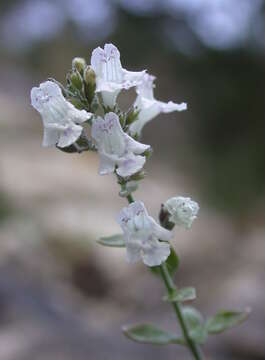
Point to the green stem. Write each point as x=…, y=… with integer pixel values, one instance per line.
x=170, y=288
x=130, y=198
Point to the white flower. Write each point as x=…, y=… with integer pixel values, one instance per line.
x=60, y=117
x=182, y=210
x=148, y=106
x=111, y=78
x=116, y=148
x=141, y=234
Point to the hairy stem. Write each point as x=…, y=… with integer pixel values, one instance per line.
x=194, y=348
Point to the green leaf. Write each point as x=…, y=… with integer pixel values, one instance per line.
x=150, y=334
x=181, y=295
x=225, y=320
x=112, y=241
x=194, y=322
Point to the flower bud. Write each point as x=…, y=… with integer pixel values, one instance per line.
x=183, y=211
x=76, y=80
x=79, y=64
x=90, y=76
x=90, y=83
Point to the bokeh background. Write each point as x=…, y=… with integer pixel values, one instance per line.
x=62, y=296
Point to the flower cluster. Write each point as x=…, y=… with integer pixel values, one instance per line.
x=84, y=115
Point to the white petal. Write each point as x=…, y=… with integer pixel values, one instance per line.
x=106, y=165
x=156, y=253
x=136, y=207
x=130, y=165
x=78, y=116
x=146, y=88
x=50, y=137
x=109, y=135
x=160, y=232
x=149, y=109
x=109, y=97
x=106, y=64
x=135, y=146
x=133, y=252
x=69, y=136
x=132, y=78
x=51, y=88
x=171, y=106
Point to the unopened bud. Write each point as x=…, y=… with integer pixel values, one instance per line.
x=90, y=83
x=183, y=211
x=90, y=76
x=76, y=80
x=79, y=64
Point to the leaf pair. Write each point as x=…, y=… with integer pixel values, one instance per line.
x=197, y=329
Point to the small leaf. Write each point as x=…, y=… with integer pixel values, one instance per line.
x=225, y=320
x=194, y=322
x=150, y=334
x=181, y=295
x=112, y=241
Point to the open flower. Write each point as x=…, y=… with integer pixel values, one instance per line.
x=183, y=211
x=142, y=234
x=148, y=106
x=116, y=148
x=60, y=118
x=111, y=78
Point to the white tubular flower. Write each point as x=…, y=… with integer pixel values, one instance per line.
x=183, y=211
x=60, y=118
x=111, y=78
x=116, y=148
x=141, y=234
x=148, y=106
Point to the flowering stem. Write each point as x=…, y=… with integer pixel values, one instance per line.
x=196, y=352
x=170, y=288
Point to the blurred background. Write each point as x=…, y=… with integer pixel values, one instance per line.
x=62, y=296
